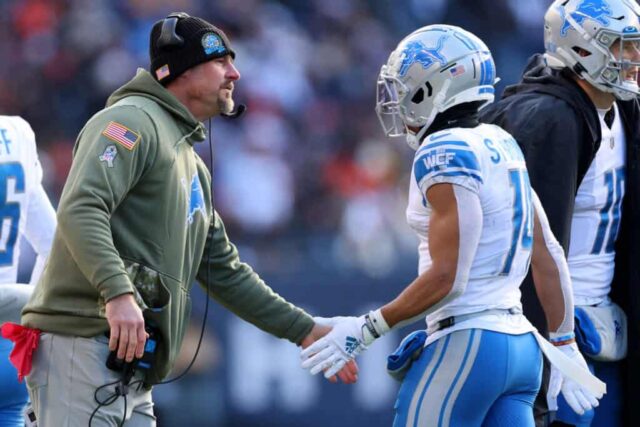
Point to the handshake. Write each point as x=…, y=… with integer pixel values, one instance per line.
x=341, y=339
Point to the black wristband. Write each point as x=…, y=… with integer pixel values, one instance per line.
x=369, y=324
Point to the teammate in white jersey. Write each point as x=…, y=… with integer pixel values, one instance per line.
x=26, y=211
x=479, y=224
x=596, y=216
x=577, y=118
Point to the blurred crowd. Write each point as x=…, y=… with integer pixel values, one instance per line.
x=307, y=169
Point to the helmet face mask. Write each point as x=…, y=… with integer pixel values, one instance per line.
x=432, y=70
x=597, y=39
x=621, y=71
x=390, y=90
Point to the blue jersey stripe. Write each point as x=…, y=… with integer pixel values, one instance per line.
x=460, y=173
x=437, y=162
x=438, y=136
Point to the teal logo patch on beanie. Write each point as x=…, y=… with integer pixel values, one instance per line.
x=212, y=44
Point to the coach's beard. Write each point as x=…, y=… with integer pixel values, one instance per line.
x=226, y=105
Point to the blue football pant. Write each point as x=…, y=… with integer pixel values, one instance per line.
x=13, y=395
x=472, y=378
x=609, y=412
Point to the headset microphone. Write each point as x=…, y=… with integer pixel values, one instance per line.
x=237, y=112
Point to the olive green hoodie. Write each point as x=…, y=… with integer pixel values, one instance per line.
x=136, y=217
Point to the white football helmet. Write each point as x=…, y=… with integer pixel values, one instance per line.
x=431, y=70
x=580, y=34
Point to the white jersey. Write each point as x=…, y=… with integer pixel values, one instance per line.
x=25, y=209
x=487, y=161
x=596, y=217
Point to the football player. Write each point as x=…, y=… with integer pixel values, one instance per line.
x=479, y=224
x=575, y=114
x=26, y=211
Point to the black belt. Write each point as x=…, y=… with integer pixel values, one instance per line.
x=452, y=320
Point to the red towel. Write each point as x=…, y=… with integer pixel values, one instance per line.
x=25, y=342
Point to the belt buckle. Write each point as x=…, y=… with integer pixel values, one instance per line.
x=447, y=323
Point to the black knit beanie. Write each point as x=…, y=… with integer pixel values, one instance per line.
x=200, y=42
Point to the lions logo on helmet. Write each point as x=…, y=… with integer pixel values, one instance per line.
x=596, y=10
x=413, y=90
x=418, y=52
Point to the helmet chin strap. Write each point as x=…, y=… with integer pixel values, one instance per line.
x=414, y=139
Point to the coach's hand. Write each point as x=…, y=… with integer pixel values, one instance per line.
x=127, y=327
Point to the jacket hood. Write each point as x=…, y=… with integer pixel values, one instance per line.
x=538, y=77
x=143, y=84
x=536, y=73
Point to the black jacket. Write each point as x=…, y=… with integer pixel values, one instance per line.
x=558, y=130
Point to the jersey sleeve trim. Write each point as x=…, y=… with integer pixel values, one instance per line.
x=447, y=162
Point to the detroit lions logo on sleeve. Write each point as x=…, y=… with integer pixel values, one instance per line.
x=195, y=198
x=445, y=158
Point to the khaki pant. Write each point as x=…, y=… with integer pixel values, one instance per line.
x=67, y=371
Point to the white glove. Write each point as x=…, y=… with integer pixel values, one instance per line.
x=329, y=321
x=578, y=398
x=349, y=337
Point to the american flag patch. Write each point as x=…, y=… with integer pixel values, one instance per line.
x=457, y=70
x=162, y=72
x=122, y=135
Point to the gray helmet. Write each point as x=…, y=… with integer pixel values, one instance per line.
x=432, y=70
x=579, y=34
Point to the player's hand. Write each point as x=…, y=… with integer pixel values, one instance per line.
x=126, y=327
x=340, y=346
x=578, y=398
x=349, y=374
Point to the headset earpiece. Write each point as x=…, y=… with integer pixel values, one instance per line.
x=169, y=39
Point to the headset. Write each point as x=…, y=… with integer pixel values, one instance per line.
x=169, y=40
